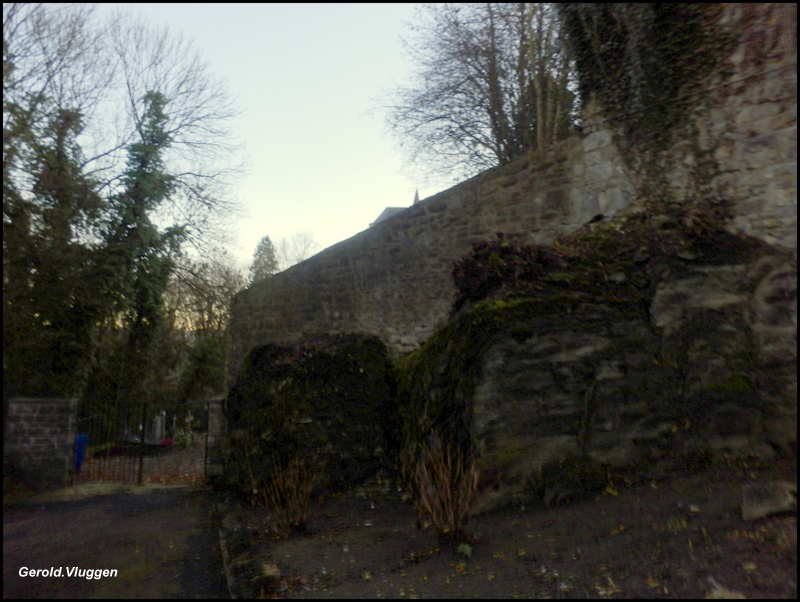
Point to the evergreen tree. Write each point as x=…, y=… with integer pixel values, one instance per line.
x=265, y=261
x=141, y=254
x=50, y=298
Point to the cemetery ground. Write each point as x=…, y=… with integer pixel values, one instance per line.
x=676, y=537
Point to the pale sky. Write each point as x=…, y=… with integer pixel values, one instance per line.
x=306, y=77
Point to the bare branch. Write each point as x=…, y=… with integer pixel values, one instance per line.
x=491, y=83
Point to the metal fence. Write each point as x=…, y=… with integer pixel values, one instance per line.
x=113, y=441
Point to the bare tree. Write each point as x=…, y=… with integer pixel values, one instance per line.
x=200, y=293
x=492, y=82
x=52, y=67
x=298, y=247
x=52, y=55
x=199, y=112
x=66, y=57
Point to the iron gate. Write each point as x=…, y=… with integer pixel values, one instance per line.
x=113, y=443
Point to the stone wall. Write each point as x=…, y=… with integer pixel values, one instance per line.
x=393, y=280
x=749, y=132
x=707, y=370
x=676, y=361
x=38, y=444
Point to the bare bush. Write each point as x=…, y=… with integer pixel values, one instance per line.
x=288, y=495
x=446, y=484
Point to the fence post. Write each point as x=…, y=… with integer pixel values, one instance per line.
x=140, y=478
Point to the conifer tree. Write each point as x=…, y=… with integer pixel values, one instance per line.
x=143, y=255
x=265, y=261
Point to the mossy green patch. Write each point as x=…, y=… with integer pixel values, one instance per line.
x=329, y=401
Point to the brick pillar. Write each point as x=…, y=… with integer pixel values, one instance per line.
x=216, y=442
x=38, y=443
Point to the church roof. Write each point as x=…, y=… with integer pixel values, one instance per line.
x=387, y=213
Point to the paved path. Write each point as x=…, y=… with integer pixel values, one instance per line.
x=161, y=541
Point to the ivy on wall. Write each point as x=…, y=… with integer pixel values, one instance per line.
x=644, y=64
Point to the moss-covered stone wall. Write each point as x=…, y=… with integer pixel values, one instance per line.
x=647, y=349
x=743, y=148
x=393, y=280
x=328, y=402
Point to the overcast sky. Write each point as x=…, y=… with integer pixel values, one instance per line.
x=306, y=77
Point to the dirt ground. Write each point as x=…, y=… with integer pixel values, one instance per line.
x=682, y=537
x=676, y=538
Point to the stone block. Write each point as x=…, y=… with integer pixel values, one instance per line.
x=596, y=140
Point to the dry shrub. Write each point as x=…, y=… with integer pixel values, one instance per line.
x=288, y=494
x=446, y=486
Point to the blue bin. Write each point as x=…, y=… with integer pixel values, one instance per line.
x=80, y=450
